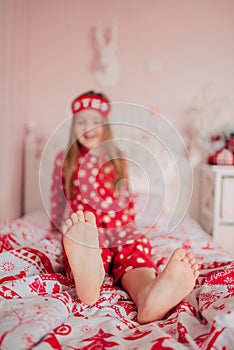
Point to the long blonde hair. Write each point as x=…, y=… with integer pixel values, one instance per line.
x=73, y=152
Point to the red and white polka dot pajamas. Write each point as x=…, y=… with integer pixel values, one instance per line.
x=123, y=247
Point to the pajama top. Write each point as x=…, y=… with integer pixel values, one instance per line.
x=123, y=247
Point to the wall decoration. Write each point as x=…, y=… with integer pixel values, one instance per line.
x=107, y=68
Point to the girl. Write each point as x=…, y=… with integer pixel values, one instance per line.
x=99, y=236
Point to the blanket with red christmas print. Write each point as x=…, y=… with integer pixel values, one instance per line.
x=39, y=308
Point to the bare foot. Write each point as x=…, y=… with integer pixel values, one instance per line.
x=165, y=291
x=84, y=255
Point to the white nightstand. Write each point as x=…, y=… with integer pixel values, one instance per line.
x=216, y=214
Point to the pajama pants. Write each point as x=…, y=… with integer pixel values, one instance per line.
x=122, y=258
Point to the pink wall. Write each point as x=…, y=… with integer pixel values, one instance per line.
x=14, y=52
x=192, y=40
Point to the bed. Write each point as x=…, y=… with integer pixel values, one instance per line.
x=40, y=309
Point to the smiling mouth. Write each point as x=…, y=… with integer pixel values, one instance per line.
x=90, y=137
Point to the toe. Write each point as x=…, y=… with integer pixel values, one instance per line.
x=195, y=267
x=178, y=254
x=69, y=223
x=192, y=261
x=74, y=218
x=189, y=256
x=185, y=259
x=64, y=229
x=80, y=215
x=90, y=218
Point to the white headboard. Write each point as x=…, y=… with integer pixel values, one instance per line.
x=36, y=148
x=37, y=179
x=33, y=147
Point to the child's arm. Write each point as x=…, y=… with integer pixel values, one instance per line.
x=118, y=209
x=57, y=194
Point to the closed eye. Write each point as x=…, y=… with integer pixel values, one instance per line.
x=97, y=122
x=80, y=122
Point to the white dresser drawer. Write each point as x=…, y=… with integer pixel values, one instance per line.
x=227, y=199
x=216, y=210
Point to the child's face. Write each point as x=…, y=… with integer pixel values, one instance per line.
x=88, y=127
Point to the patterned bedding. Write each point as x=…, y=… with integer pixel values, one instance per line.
x=39, y=308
